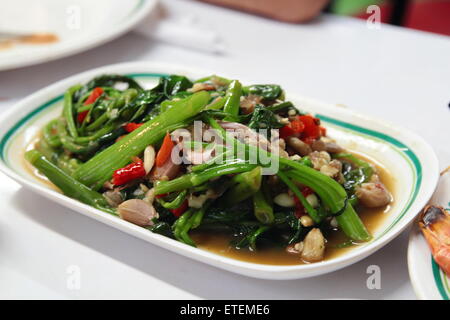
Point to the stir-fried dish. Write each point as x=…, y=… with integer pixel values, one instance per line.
x=210, y=155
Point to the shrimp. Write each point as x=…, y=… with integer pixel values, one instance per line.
x=434, y=222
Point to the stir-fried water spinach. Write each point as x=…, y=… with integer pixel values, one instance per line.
x=191, y=156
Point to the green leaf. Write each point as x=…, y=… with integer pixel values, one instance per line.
x=267, y=91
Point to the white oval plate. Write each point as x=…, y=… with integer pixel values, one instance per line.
x=79, y=25
x=428, y=280
x=406, y=156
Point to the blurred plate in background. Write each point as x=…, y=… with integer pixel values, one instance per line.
x=55, y=29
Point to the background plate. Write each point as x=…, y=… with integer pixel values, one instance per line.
x=79, y=24
x=428, y=280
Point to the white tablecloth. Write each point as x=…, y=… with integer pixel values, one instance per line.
x=399, y=75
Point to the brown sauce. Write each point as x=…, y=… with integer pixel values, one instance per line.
x=33, y=39
x=219, y=243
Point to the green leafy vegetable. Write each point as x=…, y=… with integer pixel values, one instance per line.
x=172, y=85
x=267, y=91
x=108, y=123
x=263, y=118
x=97, y=170
x=109, y=80
x=66, y=183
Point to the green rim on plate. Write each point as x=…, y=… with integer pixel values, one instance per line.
x=441, y=280
x=400, y=147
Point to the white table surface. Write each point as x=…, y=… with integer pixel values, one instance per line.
x=400, y=75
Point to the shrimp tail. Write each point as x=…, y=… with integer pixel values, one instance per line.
x=434, y=222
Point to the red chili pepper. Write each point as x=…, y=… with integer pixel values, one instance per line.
x=178, y=211
x=306, y=191
x=181, y=209
x=299, y=212
x=312, y=127
x=97, y=92
x=294, y=127
x=286, y=131
x=165, y=151
x=297, y=201
x=299, y=209
x=130, y=172
x=297, y=125
x=81, y=116
x=130, y=127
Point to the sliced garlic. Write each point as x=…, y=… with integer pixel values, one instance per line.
x=149, y=158
x=313, y=200
x=284, y=200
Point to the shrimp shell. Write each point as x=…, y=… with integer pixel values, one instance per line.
x=434, y=222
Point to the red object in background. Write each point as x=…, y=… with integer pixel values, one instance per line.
x=432, y=16
x=425, y=15
x=130, y=172
x=385, y=13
